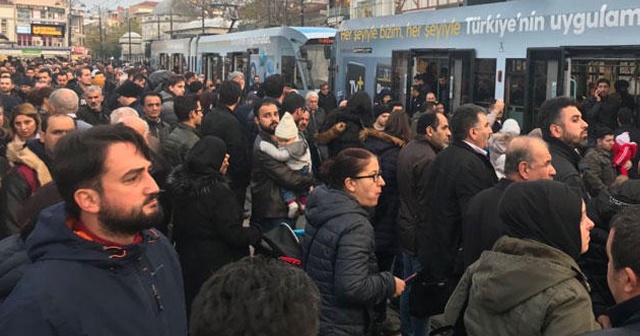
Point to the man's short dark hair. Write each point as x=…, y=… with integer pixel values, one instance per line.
x=625, y=250
x=43, y=70
x=138, y=77
x=79, y=71
x=79, y=159
x=183, y=105
x=264, y=102
x=603, y=80
x=175, y=79
x=551, y=113
x=426, y=120
x=228, y=93
x=603, y=131
x=465, y=118
x=257, y=296
x=188, y=75
x=44, y=123
x=150, y=94
x=273, y=86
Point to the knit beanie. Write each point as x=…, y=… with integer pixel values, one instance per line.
x=287, y=128
x=206, y=156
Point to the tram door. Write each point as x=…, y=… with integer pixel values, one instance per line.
x=212, y=66
x=238, y=61
x=543, y=80
x=448, y=73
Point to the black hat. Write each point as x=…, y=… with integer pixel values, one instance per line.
x=130, y=89
x=206, y=156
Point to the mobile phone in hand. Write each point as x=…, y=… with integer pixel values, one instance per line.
x=410, y=278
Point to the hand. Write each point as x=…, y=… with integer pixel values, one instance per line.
x=341, y=126
x=627, y=165
x=399, y=286
x=596, y=94
x=343, y=103
x=604, y=321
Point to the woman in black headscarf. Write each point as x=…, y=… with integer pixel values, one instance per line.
x=530, y=283
x=207, y=220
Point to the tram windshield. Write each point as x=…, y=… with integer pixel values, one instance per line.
x=315, y=65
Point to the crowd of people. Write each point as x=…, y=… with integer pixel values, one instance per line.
x=129, y=202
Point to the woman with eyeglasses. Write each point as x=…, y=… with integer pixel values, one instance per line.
x=338, y=248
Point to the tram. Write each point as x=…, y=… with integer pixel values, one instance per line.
x=301, y=55
x=523, y=51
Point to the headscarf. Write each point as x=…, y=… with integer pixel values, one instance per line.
x=546, y=211
x=206, y=156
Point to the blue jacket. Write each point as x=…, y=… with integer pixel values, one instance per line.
x=339, y=251
x=79, y=287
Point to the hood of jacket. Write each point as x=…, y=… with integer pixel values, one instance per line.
x=183, y=184
x=326, y=203
x=31, y=155
x=516, y=270
x=53, y=240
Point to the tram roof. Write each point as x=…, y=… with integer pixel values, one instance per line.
x=301, y=34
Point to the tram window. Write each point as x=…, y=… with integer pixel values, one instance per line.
x=290, y=73
x=514, y=81
x=485, y=81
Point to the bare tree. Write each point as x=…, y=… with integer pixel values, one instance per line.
x=265, y=13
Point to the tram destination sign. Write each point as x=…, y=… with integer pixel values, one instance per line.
x=47, y=30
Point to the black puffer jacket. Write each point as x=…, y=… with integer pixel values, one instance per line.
x=384, y=219
x=339, y=256
x=565, y=161
x=208, y=226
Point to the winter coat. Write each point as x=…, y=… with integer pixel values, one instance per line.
x=268, y=176
x=222, y=123
x=166, y=112
x=13, y=262
x=413, y=160
x=625, y=319
x=348, y=138
x=17, y=188
x=565, y=161
x=207, y=226
x=338, y=250
x=597, y=171
x=93, y=117
x=498, y=144
x=523, y=287
x=457, y=174
x=178, y=144
x=603, y=113
x=482, y=225
x=328, y=102
x=79, y=287
x=384, y=219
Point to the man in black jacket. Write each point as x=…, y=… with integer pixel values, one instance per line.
x=268, y=175
x=458, y=173
x=527, y=159
x=413, y=160
x=601, y=108
x=623, y=272
x=565, y=131
x=222, y=123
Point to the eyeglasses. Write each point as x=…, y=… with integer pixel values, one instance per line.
x=377, y=177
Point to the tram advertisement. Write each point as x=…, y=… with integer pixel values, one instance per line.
x=355, y=78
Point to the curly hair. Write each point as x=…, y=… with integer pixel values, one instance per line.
x=257, y=296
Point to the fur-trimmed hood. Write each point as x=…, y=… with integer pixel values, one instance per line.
x=183, y=184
